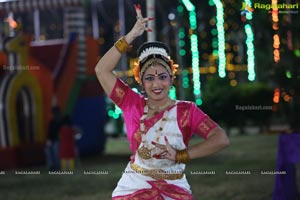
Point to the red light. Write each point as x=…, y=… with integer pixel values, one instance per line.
x=276, y=95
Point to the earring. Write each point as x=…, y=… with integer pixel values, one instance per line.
x=143, y=90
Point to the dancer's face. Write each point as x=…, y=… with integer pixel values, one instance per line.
x=157, y=82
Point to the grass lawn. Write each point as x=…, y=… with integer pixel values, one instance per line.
x=249, y=153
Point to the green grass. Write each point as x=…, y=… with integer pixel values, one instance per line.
x=253, y=153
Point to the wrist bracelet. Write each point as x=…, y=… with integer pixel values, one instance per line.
x=182, y=156
x=122, y=46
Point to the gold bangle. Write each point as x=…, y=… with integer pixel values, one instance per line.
x=182, y=156
x=122, y=46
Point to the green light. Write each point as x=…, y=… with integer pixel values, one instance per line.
x=250, y=52
x=182, y=52
x=248, y=14
x=194, y=49
x=136, y=90
x=114, y=113
x=222, y=74
x=199, y=102
x=110, y=113
x=180, y=8
x=185, y=79
x=181, y=36
x=115, y=116
x=215, y=52
x=118, y=110
x=181, y=33
x=251, y=77
x=188, y=5
x=181, y=43
x=211, y=3
x=288, y=74
x=193, y=20
x=214, y=31
x=221, y=39
x=297, y=53
x=215, y=44
x=195, y=65
x=172, y=92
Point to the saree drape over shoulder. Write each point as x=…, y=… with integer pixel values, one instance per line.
x=146, y=177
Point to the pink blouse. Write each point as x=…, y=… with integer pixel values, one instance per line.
x=190, y=118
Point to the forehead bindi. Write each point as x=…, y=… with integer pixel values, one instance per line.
x=155, y=70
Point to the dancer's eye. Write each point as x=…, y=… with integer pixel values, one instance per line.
x=149, y=78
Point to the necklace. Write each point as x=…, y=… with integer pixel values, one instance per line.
x=145, y=151
x=157, y=109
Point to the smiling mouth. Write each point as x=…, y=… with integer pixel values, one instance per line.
x=157, y=91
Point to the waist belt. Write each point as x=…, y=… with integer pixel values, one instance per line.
x=157, y=174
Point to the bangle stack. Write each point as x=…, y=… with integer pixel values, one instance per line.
x=122, y=46
x=182, y=156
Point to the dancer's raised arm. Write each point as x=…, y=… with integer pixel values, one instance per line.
x=106, y=65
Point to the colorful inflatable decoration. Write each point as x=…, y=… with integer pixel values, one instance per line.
x=21, y=110
x=36, y=72
x=21, y=113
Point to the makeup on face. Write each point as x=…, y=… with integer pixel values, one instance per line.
x=156, y=82
x=156, y=73
x=161, y=77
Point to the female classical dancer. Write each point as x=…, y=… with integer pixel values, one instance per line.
x=158, y=128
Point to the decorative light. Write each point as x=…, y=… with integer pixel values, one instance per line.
x=288, y=74
x=276, y=45
x=249, y=39
x=185, y=79
x=194, y=49
x=276, y=97
x=221, y=38
x=250, y=52
x=248, y=14
x=181, y=35
x=276, y=38
x=172, y=92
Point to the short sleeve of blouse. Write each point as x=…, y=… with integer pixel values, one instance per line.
x=201, y=123
x=122, y=96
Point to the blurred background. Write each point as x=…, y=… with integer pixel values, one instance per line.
x=238, y=61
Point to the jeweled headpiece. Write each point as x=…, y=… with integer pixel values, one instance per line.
x=153, y=53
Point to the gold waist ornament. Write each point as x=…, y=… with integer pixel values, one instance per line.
x=157, y=174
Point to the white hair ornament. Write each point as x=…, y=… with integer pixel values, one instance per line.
x=151, y=51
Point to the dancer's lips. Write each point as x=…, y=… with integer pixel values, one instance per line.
x=157, y=91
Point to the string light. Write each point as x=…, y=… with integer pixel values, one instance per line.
x=116, y=112
x=182, y=47
x=276, y=45
x=249, y=40
x=221, y=38
x=276, y=97
x=288, y=74
x=194, y=49
x=250, y=52
x=276, y=38
x=181, y=35
x=172, y=92
x=249, y=14
x=185, y=79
